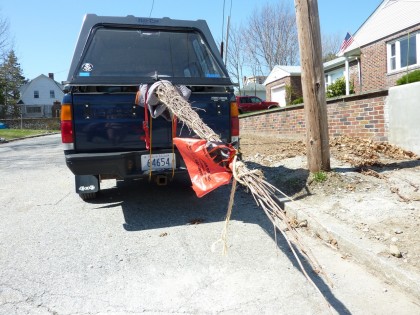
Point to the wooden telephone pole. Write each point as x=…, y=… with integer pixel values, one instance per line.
x=313, y=85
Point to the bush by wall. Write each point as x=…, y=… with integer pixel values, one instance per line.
x=338, y=88
x=411, y=77
x=297, y=101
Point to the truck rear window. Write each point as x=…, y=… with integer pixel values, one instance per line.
x=147, y=53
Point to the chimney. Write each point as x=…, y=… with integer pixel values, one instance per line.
x=51, y=75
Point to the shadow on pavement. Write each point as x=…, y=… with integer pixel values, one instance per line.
x=148, y=206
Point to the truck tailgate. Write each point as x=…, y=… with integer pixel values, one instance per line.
x=110, y=122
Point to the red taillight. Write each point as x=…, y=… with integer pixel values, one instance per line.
x=66, y=124
x=67, y=131
x=234, y=119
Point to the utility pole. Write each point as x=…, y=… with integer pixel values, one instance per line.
x=313, y=85
x=227, y=39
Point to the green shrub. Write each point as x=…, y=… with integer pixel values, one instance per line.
x=297, y=101
x=338, y=88
x=411, y=77
x=291, y=94
x=320, y=176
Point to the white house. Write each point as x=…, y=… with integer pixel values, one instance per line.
x=253, y=86
x=38, y=96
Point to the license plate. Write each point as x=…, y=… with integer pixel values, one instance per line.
x=158, y=161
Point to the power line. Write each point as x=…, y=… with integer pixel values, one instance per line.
x=223, y=21
x=151, y=10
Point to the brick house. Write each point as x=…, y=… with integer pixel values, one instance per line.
x=384, y=48
x=283, y=84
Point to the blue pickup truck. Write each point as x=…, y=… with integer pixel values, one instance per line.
x=106, y=133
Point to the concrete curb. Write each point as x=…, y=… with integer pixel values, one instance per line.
x=364, y=251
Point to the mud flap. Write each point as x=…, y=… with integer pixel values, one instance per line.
x=87, y=184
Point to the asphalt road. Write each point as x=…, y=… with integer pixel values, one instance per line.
x=136, y=250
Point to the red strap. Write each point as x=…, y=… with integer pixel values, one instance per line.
x=175, y=122
x=146, y=137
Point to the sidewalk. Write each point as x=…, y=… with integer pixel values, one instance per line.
x=363, y=211
x=350, y=241
x=363, y=222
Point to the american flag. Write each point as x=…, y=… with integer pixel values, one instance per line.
x=346, y=43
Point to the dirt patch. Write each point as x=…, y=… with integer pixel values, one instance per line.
x=374, y=187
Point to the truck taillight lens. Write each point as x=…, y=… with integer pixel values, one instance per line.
x=66, y=124
x=234, y=119
x=66, y=131
x=66, y=112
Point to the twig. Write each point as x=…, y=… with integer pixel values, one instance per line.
x=262, y=191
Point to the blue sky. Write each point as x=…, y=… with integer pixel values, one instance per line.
x=45, y=31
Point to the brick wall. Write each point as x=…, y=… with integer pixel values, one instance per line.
x=356, y=116
x=373, y=66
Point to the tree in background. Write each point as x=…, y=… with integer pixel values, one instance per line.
x=330, y=46
x=4, y=43
x=11, y=79
x=271, y=37
x=4, y=37
x=268, y=39
x=236, y=55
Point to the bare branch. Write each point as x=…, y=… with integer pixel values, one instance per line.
x=4, y=37
x=330, y=46
x=271, y=36
x=236, y=54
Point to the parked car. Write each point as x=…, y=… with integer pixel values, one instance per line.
x=253, y=103
x=3, y=126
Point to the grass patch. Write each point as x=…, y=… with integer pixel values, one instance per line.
x=320, y=176
x=9, y=134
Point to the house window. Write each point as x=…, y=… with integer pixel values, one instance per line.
x=403, y=52
x=392, y=57
x=408, y=51
x=36, y=94
x=52, y=94
x=33, y=109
